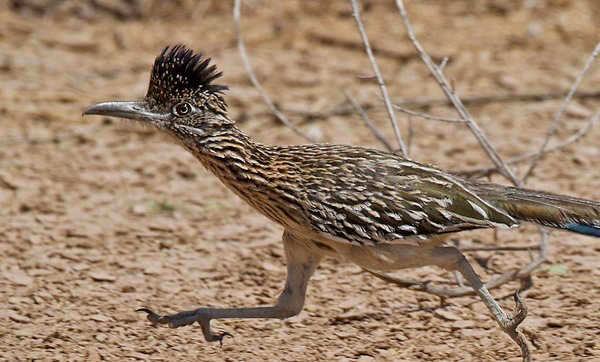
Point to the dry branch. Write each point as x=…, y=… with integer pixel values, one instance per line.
x=336, y=40
x=365, y=118
x=438, y=75
x=429, y=116
x=562, y=109
x=488, y=170
x=426, y=286
x=497, y=98
x=341, y=109
x=252, y=76
x=380, y=82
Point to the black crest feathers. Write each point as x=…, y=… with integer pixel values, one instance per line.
x=178, y=71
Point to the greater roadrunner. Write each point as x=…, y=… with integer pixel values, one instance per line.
x=375, y=208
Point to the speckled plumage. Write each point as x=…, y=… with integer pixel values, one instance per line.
x=375, y=208
x=352, y=194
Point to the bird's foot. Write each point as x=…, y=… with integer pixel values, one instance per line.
x=518, y=314
x=186, y=318
x=512, y=321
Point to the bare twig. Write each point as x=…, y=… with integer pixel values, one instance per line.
x=488, y=170
x=425, y=286
x=501, y=248
x=562, y=109
x=357, y=107
x=443, y=63
x=347, y=43
x=382, y=87
x=438, y=75
x=428, y=116
x=497, y=98
x=252, y=76
x=543, y=252
x=342, y=109
x=359, y=76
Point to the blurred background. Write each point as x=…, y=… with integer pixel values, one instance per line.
x=99, y=217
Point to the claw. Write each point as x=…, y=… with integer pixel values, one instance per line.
x=220, y=337
x=146, y=310
x=181, y=319
x=513, y=321
x=173, y=321
x=520, y=312
x=152, y=317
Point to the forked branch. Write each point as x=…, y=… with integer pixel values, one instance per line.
x=488, y=170
x=439, y=77
x=562, y=110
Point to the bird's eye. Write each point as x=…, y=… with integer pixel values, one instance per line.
x=182, y=109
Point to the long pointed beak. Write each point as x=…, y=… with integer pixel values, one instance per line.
x=137, y=110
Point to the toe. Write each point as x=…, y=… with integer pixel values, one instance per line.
x=151, y=316
x=220, y=337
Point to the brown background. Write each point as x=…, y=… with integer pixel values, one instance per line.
x=99, y=217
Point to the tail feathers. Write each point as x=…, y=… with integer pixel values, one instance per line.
x=583, y=229
x=563, y=212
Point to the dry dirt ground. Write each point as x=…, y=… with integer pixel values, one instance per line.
x=99, y=217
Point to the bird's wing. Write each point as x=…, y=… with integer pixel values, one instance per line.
x=386, y=198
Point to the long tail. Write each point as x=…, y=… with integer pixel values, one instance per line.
x=563, y=212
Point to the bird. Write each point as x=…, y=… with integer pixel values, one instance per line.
x=375, y=208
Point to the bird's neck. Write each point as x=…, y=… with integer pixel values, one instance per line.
x=250, y=169
x=231, y=155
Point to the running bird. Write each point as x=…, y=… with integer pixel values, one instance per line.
x=375, y=208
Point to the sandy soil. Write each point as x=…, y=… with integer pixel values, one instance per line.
x=99, y=217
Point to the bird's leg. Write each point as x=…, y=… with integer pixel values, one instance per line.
x=301, y=264
x=452, y=259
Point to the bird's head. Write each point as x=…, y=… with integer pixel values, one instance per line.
x=181, y=99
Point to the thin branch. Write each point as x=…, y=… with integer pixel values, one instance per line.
x=498, y=98
x=357, y=107
x=443, y=63
x=252, y=76
x=342, y=109
x=562, y=109
x=438, y=75
x=487, y=170
x=384, y=93
x=338, y=40
x=426, y=286
x=428, y=116
x=501, y=248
